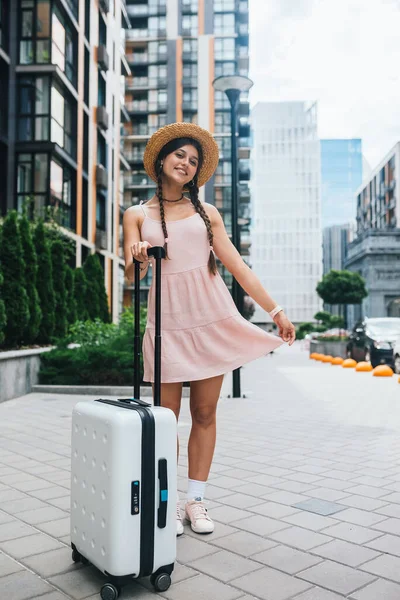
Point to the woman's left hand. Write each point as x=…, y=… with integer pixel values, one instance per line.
x=287, y=330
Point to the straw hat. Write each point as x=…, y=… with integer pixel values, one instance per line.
x=178, y=130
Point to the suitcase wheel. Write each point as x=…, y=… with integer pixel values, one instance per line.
x=161, y=582
x=109, y=592
x=76, y=557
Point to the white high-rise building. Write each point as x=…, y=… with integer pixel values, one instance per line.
x=286, y=251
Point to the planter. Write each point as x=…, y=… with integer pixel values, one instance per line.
x=329, y=348
x=19, y=372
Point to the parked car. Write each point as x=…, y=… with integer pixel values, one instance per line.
x=373, y=340
x=396, y=357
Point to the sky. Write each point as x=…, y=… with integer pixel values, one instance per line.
x=345, y=54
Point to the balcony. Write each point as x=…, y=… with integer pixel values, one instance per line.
x=143, y=34
x=102, y=57
x=102, y=117
x=189, y=56
x=244, y=109
x=244, y=130
x=134, y=157
x=144, y=10
x=101, y=239
x=244, y=194
x=243, y=30
x=138, y=180
x=244, y=172
x=137, y=106
x=137, y=58
x=244, y=11
x=101, y=177
x=136, y=83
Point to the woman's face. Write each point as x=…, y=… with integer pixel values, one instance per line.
x=181, y=165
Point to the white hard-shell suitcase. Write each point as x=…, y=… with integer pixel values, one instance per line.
x=124, y=478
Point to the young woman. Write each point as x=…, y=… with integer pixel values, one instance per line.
x=203, y=334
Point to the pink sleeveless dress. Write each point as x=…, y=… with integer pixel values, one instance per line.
x=203, y=334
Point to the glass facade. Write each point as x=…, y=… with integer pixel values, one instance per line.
x=341, y=175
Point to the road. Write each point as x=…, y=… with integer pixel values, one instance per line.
x=304, y=490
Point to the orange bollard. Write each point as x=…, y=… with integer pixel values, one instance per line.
x=364, y=367
x=382, y=371
x=327, y=359
x=318, y=356
x=314, y=355
x=338, y=360
x=349, y=363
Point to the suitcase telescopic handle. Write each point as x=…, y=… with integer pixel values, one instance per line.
x=157, y=252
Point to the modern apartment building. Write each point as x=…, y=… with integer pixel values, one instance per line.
x=286, y=250
x=61, y=98
x=175, y=49
x=336, y=240
x=375, y=253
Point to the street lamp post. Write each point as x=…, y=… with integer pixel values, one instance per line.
x=233, y=86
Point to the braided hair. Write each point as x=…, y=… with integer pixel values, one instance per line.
x=193, y=192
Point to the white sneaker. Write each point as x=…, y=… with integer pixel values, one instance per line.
x=179, y=523
x=197, y=514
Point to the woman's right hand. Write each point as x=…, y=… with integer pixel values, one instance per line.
x=139, y=251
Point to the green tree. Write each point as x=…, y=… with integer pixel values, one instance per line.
x=30, y=259
x=58, y=265
x=70, y=295
x=44, y=284
x=342, y=288
x=81, y=294
x=97, y=296
x=3, y=319
x=13, y=288
x=324, y=317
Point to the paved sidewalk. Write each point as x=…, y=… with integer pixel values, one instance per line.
x=305, y=492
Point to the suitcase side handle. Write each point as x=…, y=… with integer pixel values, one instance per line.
x=163, y=500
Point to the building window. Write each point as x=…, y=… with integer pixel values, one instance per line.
x=32, y=182
x=190, y=74
x=224, y=5
x=61, y=193
x=101, y=150
x=225, y=68
x=221, y=101
x=190, y=25
x=4, y=25
x=62, y=118
x=34, y=109
x=101, y=212
x=224, y=49
x=224, y=24
x=189, y=50
x=191, y=6
x=189, y=99
x=63, y=46
x=102, y=91
x=34, y=32
x=157, y=26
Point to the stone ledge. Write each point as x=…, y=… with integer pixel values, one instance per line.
x=8, y=354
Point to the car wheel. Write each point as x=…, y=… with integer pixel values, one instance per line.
x=348, y=353
x=367, y=356
x=397, y=364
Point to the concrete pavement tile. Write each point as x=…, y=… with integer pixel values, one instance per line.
x=8, y=566
x=181, y=573
x=390, y=525
x=242, y=474
x=267, y=480
x=379, y=589
x=5, y=518
x=52, y=596
x=241, y=501
x=362, y=502
x=384, y=566
x=386, y=543
x=336, y=577
x=379, y=482
x=352, y=533
x=229, y=483
x=201, y=588
x=297, y=537
x=363, y=517
x=30, y=545
x=254, y=489
x=52, y=563
x=303, y=477
x=11, y=494
x=269, y=584
x=274, y=510
x=309, y=520
x=389, y=510
x=320, y=507
x=286, y=559
x=57, y=529
x=224, y=565
x=15, y=529
x=213, y=492
x=244, y=543
x=310, y=468
x=23, y=586
x=393, y=497
x=288, y=498
x=190, y=549
x=228, y=514
x=50, y=493
x=294, y=486
x=335, y=484
x=259, y=525
x=368, y=491
x=22, y=505
x=80, y=583
x=31, y=486
x=343, y=552
x=62, y=503
x=41, y=515
x=317, y=593
x=341, y=475
x=328, y=494
x=220, y=530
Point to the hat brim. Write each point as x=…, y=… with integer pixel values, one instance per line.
x=178, y=130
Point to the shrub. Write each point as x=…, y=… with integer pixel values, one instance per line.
x=58, y=265
x=45, y=284
x=70, y=295
x=97, y=301
x=3, y=319
x=31, y=267
x=81, y=293
x=13, y=288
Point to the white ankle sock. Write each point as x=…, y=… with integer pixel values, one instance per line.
x=196, y=489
